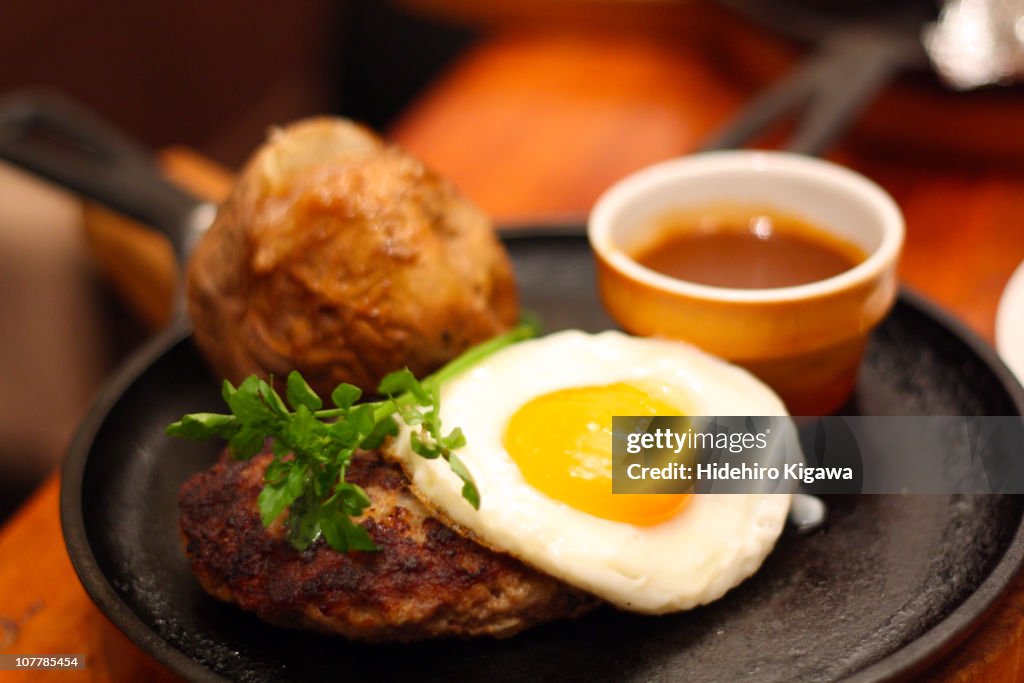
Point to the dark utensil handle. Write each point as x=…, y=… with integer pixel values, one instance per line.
x=52, y=136
x=831, y=88
x=768, y=106
x=846, y=85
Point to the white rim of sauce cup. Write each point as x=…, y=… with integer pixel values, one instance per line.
x=834, y=199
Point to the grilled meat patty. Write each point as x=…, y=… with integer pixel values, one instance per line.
x=426, y=581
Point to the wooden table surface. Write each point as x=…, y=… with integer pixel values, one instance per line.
x=534, y=124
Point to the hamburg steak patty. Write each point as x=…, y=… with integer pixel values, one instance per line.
x=426, y=580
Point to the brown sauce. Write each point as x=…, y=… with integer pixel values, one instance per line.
x=745, y=248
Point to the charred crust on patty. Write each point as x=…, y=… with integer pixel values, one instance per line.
x=426, y=581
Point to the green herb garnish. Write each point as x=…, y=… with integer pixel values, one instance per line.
x=311, y=483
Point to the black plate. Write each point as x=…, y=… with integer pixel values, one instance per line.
x=887, y=587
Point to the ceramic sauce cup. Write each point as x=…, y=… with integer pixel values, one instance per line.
x=805, y=341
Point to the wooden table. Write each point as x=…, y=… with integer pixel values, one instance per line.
x=535, y=124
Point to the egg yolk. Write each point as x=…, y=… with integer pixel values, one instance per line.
x=562, y=443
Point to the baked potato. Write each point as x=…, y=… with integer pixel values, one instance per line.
x=345, y=258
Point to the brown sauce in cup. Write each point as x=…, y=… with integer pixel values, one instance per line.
x=745, y=248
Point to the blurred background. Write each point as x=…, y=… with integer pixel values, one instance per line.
x=512, y=87
x=211, y=76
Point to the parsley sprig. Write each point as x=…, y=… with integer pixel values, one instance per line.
x=313, y=445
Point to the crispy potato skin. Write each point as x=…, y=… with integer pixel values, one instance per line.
x=425, y=582
x=345, y=259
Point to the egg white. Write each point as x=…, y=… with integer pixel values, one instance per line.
x=713, y=544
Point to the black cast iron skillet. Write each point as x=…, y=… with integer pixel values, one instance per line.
x=890, y=584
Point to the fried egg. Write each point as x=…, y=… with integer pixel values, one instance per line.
x=537, y=420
